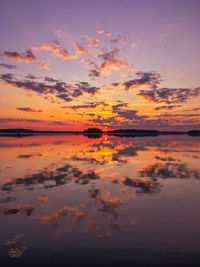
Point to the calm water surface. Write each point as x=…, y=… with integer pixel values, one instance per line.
x=69, y=200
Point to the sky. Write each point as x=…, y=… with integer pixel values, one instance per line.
x=75, y=64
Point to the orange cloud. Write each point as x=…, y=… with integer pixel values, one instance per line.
x=58, y=215
x=42, y=199
x=58, y=50
x=88, y=62
x=136, y=85
x=27, y=57
x=43, y=66
x=104, y=32
x=28, y=209
x=93, y=41
x=79, y=216
x=110, y=62
x=80, y=49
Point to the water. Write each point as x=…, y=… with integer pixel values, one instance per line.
x=69, y=200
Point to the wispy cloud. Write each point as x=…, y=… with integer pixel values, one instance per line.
x=80, y=49
x=101, y=31
x=56, y=48
x=43, y=66
x=28, y=57
x=167, y=107
x=93, y=41
x=150, y=79
x=8, y=66
x=86, y=106
x=59, y=90
x=27, y=109
x=169, y=95
x=111, y=62
x=121, y=115
x=6, y=120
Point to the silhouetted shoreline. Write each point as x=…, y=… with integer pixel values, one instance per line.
x=127, y=132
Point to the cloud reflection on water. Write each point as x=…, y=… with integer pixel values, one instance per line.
x=106, y=175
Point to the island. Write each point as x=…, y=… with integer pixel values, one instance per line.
x=96, y=132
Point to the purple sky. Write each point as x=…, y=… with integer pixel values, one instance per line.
x=146, y=36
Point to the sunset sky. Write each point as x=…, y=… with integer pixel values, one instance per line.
x=74, y=64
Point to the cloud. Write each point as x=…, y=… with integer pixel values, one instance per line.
x=168, y=115
x=95, y=73
x=115, y=84
x=145, y=185
x=111, y=61
x=104, y=32
x=119, y=114
x=109, y=55
x=105, y=121
x=80, y=49
x=30, y=109
x=165, y=158
x=130, y=115
x=120, y=117
x=118, y=40
x=42, y=199
x=88, y=159
x=88, y=62
x=169, y=95
x=93, y=41
x=43, y=66
x=130, y=151
x=60, y=214
x=56, y=48
x=125, y=119
x=56, y=217
x=28, y=156
x=169, y=170
x=6, y=120
x=193, y=109
x=27, y=57
x=59, y=89
x=150, y=79
x=86, y=106
x=8, y=66
x=28, y=209
x=110, y=205
x=30, y=76
x=54, y=178
x=60, y=123
x=50, y=80
x=167, y=107
x=94, y=193
x=86, y=87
